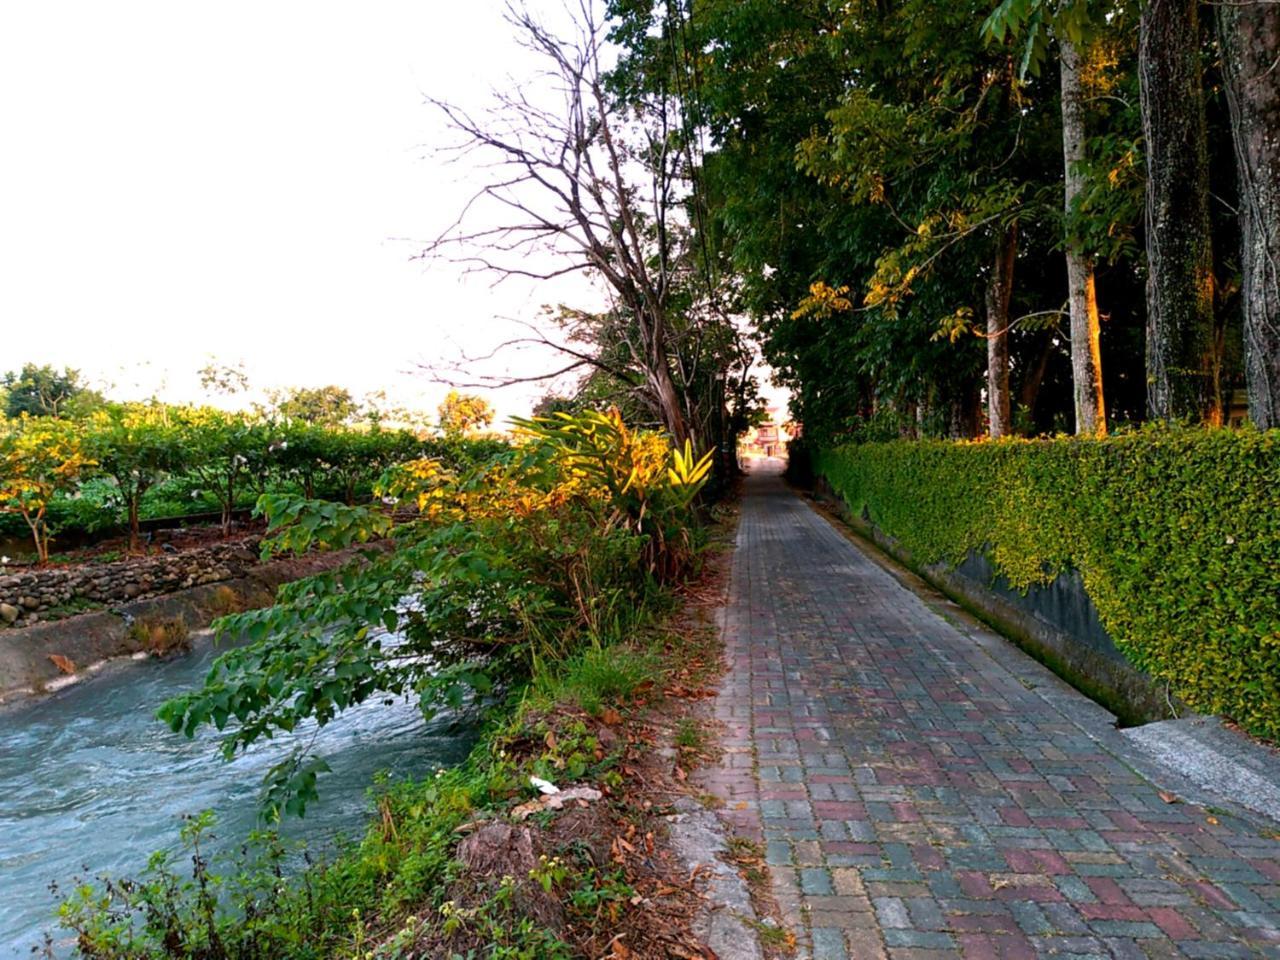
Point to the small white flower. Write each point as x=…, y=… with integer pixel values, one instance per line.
x=4, y=560
x=1230, y=539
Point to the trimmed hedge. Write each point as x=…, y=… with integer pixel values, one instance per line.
x=1176, y=534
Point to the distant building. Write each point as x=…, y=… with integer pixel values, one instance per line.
x=770, y=437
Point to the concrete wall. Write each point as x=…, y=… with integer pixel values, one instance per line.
x=1056, y=623
x=90, y=638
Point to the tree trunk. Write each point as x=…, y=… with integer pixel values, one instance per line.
x=668, y=400
x=1249, y=34
x=999, y=294
x=965, y=413
x=1182, y=361
x=39, y=533
x=134, y=539
x=1086, y=348
x=1030, y=390
x=227, y=506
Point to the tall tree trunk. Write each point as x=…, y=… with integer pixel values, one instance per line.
x=1182, y=362
x=999, y=295
x=1030, y=389
x=1086, y=347
x=1250, y=37
x=668, y=402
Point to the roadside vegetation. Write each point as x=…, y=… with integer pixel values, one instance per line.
x=115, y=465
x=539, y=588
x=1175, y=533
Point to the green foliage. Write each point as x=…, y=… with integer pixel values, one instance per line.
x=330, y=406
x=135, y=445
x=158, y=461
x=47, y=392
x=513, y=564
x=649, y=487
x=596, y=676
x=1176, y=534
x=40, y=459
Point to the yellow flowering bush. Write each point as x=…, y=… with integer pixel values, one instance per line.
x=39, y=459
x=634, y=478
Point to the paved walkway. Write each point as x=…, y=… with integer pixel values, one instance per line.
x=920, y=797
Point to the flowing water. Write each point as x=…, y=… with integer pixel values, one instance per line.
x=90, y=782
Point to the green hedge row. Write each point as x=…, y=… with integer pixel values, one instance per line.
x=1175, y=532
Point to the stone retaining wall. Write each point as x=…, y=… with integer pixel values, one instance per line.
x=28, y=652
x=35, y=595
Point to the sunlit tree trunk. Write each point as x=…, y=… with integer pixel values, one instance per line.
x=1250, y=38
x=1086, y=347
x=1182, y=356
x=999, y=295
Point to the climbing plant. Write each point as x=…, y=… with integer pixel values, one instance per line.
x=1176, y=534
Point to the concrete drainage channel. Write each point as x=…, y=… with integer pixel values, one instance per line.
x=728, y=920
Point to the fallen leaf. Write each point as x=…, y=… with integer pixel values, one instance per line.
x=611, y=716
x=525, y=810
x=1212, y=820
x=1168, y=797
x=64, y=664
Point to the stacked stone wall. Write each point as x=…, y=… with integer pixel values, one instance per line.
x=40, y=594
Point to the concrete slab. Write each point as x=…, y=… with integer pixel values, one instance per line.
x=726, y=925
x=1218, y=759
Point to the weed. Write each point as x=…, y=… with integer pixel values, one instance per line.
x=225, y=601
x=161, y=636
x=690, y=735
x=70, y=608
x=772, y=935
x=598, y=676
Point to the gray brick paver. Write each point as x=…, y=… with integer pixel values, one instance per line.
x=918, y=799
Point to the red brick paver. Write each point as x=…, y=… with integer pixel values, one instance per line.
x=918, y=800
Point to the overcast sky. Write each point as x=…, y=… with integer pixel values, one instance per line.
x=242, y=180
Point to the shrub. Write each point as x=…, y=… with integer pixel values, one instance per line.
x=1176, y=534
x=513, y=565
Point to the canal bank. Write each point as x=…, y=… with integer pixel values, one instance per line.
x=49, y=655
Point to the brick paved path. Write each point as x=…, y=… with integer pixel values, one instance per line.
x=921, y=798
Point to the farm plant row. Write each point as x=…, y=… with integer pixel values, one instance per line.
x=126, y=463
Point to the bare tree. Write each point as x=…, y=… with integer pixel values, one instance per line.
x=600, y=185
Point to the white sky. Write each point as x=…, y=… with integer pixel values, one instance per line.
x=182, y=179
x=248, y=181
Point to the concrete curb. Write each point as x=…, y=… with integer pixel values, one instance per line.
x=726, y=924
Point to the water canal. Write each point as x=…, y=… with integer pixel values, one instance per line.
x=90, y=782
